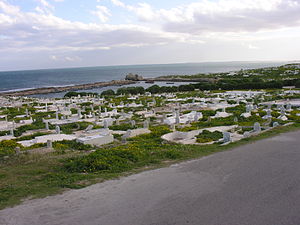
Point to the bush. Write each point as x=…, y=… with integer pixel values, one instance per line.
x=131, y=90
x=207, y=136
x=140, y=151
x=7, y=147
x=60, y=147
x=69, y=128
x=29, y=137
x=114, y=160
x=123, y=126
x=109, y=92
x=71, y=145
x=38, y=124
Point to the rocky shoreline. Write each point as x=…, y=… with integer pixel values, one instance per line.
x=67, y=88
x=136, y=77
x=48, y=90
x=166, y=79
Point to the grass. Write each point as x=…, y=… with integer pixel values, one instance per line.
x=34, y=176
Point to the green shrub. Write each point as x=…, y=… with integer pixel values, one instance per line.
x=7, y=147
x=115, y=160
x=207, y=136
x=29, y=137
x=60, y=147
x=123, y=126
x=69, y=128
x=141, y=150
x=71, y=145
x=109, y=92
x=34, y=126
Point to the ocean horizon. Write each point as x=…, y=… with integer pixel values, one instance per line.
x=30, y=79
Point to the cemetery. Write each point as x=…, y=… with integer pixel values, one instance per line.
x=100, y=120
x=84, y=137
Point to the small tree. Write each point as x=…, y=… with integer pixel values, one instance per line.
x=109, y=92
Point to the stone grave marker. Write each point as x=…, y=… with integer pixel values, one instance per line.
x=133, y=123
x=226, y=137
x=257, y=127
x=89, y=128
x=246, y=134
x=57, y=129
x=47, y=125
x=146, y=124
x=49, y=144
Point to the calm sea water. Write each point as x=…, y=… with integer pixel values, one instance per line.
x=19, y=80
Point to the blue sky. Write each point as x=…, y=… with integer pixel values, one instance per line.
x=79, y=10
x=69, y=33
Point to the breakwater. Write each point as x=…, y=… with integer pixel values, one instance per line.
x=47, y=90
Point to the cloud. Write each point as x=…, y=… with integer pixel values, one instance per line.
x=53, y=57
x=144, y=11
x=9, y=9
x=45, y=7
x=250, y=46
x=102, y=12
x=31, y=31
x=118, y=3
x=204, y=22
x=232, y=16
x=72, y=59
x=207, y=16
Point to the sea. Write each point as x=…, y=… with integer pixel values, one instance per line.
x=29, y=79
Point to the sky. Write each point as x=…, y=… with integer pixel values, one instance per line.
x=36, y=34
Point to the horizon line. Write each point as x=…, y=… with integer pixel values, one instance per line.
x=150, y=64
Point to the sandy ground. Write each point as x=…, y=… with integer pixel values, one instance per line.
x=256, y=184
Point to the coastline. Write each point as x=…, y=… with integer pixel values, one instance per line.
x=176, y=79
x=48, y=90
x=36, y=82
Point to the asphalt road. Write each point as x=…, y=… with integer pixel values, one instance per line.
x=256, y=184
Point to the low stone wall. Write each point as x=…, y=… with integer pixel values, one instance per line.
x=189, y=137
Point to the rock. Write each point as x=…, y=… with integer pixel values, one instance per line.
x=133, y=77
x=48, y=90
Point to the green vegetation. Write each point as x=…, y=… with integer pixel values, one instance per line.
x=228, y=121
x=34, y=126
x=142, y=150
x=71, y=127
x=7, y=147
x=75, y=165
x=109, y=92
x=34, y=176
x=32, y=136
x=227, y=83
x=71, y=145
x=289, y=71
x=123, y=126
x=130, y=90
x=207, y=136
